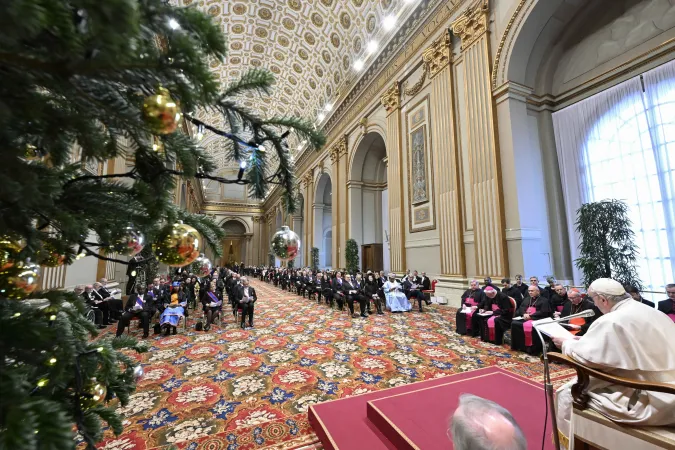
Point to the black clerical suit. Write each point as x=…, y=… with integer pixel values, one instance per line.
x=327, y=291
x=667, y=307
x=144, y=314
x=464, y=322
x=523, y=291
x=502, y=312
x=353, y=292
x=515, y=294
x=558, y=301
x=246, y=307
x=585, y=304
x=519, y=340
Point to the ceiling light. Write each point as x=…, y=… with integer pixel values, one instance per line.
x=358, y=65
x=321, y=116
x=372, y=46
x=389, y=22
x=173, y=24
x=329, y=107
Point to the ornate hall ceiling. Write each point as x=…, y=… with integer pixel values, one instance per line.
x=310, y=46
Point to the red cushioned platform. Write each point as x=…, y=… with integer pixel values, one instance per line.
x=343, y=424
x=419, y=419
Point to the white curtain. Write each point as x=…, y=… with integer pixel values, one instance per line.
x=620, y=144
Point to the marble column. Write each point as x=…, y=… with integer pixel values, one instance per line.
x=297, y=226
x=482, y=148
x=335, y=182
x=444, y=147
x=343, y=201
x=308, y=212
x=391, y=101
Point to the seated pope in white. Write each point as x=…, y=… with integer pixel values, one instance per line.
x=630, y=340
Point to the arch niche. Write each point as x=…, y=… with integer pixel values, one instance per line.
x=234, y=243
x=323, y=220
x=368, y=201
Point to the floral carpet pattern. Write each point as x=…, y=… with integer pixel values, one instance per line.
x=235, y=389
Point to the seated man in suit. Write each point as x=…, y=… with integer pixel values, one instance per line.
x=138, y=305
x=635, y=293
x=108, y=295
x=493, y=326
x=338, y=292
x=95, y=301
x=425, y=282
x=246, y=298
x=534, y=307
x=413, y=291
x=354, y=293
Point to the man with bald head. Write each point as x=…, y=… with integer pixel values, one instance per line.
x=479, y=424
x=577, y=304
x=629, y=340
x=492, y=327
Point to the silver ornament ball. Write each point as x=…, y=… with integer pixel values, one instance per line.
x=138, y=373
x=204, y=266
x=285, y=244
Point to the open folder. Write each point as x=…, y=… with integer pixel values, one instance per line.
x=551, y=329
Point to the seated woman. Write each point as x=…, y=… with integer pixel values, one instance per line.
x=395, y=298
x=326, y=289
x=534, y=307
x=372, y=292
x=212, y=306
x=465, y=321
x=172, y=313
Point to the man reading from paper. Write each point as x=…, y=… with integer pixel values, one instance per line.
x=630, y=340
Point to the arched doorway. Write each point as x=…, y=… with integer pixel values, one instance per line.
x=323, y=220
x=369, y=208
x=234, y=243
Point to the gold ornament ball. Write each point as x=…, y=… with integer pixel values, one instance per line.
x=93, y=393
x=177, y=245
x=20, y=280
x=49, y=257
x=285, y=244
x=9, y=249
x=161, y=112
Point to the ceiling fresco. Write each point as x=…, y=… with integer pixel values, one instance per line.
x=311, y=47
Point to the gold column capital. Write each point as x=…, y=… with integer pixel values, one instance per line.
x=334, y=154
x=437, y=56
x=342, y=146
x=472, y=24
x=391, y=100
x=306, y=179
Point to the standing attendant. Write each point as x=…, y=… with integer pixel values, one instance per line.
x=246, y=298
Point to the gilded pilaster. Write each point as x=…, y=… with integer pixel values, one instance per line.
x=335, y=171
x=486, y=188
x=391, y=101
x=437, y=61
x=343, y=200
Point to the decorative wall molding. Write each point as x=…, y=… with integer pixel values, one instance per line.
x=438, y=55
x=472, y=23
x=417, y=87
x=501, y=57
x=225, y=207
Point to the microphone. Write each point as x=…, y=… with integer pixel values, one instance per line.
x=587, y=313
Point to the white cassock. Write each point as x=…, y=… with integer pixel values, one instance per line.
x=396, y=300
x=632, y=341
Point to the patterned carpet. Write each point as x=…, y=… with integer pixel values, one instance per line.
x=234, y=389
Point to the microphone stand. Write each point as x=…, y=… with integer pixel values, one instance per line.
x=547, y=373
x=549, y=392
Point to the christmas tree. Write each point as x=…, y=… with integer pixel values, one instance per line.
x=77, y=80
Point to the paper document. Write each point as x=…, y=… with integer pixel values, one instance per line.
x=551, y=329
x=486, y=313
x=465, y=311
x=518, y=318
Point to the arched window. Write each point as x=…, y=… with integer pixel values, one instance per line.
x=620, y=144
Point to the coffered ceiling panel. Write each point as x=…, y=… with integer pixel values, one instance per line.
x=309, y=45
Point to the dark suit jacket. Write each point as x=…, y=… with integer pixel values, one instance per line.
x=239, y=293
x=667, y=306
x=426, y=283
x=337, y=287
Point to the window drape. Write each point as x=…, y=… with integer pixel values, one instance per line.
x=620, y=144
